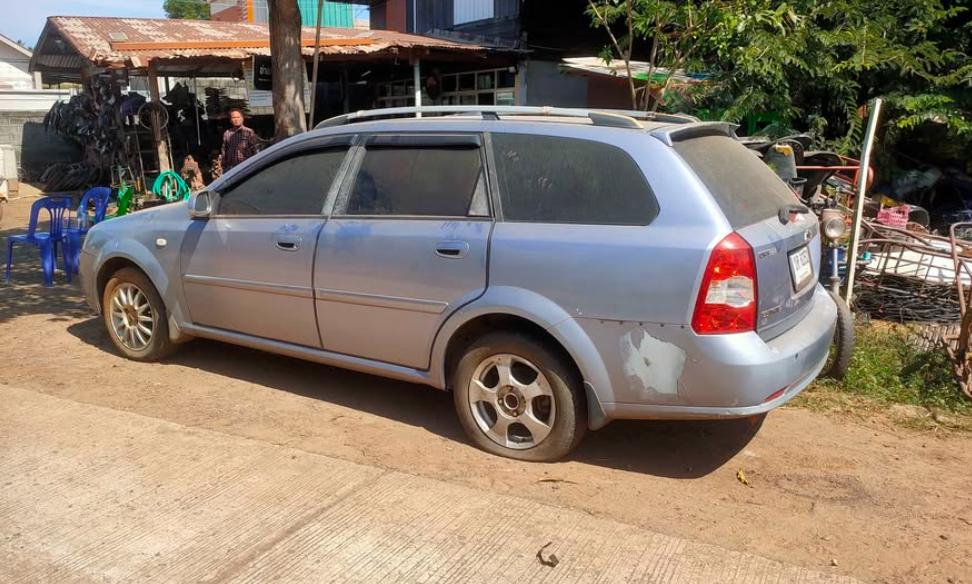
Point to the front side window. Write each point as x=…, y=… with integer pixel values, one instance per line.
x=549, y=179
x=296, y=185
x=419, y=180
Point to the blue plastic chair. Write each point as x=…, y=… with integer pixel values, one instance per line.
x=76, y=231
x=57, y=207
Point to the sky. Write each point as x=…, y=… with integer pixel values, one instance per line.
x=26, y=21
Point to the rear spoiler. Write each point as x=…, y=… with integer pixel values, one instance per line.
x=671, y=134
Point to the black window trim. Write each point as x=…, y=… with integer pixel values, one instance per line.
x=495, y=201
x=459, y=140
x=426, y=140
x=497, y=195
x=300, y=149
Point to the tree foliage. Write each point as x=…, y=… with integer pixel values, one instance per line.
x=193, y=9
x=815, y=63
x=834, y=56
x=678, y=35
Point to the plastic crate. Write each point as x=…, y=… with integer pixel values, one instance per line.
x=894, y=216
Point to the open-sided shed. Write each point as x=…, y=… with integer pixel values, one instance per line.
x=76, y=49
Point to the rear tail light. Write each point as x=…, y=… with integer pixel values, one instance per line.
x=727, y=298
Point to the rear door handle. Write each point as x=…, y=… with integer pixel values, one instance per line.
x=288, y=238
x=451, y=249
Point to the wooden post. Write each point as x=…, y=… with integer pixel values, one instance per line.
x=317, y=60
x=161, y=145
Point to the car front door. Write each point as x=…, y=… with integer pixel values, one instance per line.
x=405, y=246
x=248, y=268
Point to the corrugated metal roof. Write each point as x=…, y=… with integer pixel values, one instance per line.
x=616, y=68
x=106, y=41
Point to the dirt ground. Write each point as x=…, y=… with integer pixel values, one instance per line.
x=865, y=498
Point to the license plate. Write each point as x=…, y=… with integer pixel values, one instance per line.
x=800, y=268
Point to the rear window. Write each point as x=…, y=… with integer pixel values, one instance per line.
x=549, y=179
x=742, y=184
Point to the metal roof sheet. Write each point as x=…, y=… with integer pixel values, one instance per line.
x=107, y=41
x=616, y=68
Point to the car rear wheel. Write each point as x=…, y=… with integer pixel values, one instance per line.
x=135, y=316
x=516, y=398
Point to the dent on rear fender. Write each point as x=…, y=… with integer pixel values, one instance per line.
x=651, y=366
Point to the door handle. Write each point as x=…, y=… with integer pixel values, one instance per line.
x=287, y=241
x=451, y=249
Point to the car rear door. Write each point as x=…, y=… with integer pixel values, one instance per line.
x=406, y=245
x=786, y=247
x=248, y=268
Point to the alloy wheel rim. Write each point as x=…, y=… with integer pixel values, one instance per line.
x=132, y=318
x=511, y=401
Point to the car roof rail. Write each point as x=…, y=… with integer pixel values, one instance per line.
x=599, y=117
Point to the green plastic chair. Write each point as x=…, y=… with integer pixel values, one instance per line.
x=125, y=194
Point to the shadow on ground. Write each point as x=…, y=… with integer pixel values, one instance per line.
x=27, y=295
x=661, y=448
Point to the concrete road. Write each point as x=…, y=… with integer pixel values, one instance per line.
x=92, y=494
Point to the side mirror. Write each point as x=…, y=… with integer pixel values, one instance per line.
x=201, y=204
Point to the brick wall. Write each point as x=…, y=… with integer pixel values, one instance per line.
x=36, y=148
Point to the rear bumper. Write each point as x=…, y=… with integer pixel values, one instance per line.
x=731, y=376
x=655, y=412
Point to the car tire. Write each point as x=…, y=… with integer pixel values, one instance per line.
x=842, y=347
x=135, y=316
x=536, y=412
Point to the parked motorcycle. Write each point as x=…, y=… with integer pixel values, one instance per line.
x=833, y=227
x=806, y=173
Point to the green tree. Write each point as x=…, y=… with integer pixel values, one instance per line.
x=830, y=58
x=813, y=64
x=192, y=9
x=674, y=35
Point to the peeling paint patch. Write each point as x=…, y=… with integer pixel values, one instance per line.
x=651, y=365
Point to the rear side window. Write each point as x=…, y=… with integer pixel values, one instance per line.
x=424, y=181
x=549, y=179
x=745, y=188
x=293, y=186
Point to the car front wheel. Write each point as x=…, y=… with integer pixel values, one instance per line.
x=517, y=398
x=135, y=316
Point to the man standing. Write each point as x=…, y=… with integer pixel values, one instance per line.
x=239, y=142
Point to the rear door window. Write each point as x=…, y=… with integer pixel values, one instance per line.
x=550, y=179
x=420, y=181
x=745, y=188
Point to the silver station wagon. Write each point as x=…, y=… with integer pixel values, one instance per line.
x=554, y=269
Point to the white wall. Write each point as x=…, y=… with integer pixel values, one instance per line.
x=13, y=69
x=31, y=100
